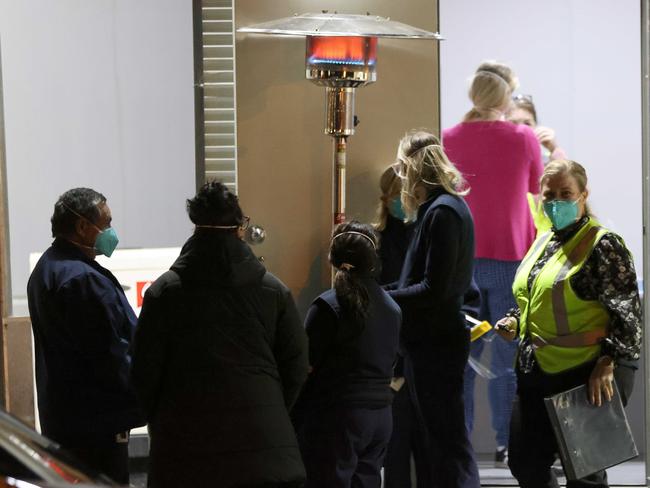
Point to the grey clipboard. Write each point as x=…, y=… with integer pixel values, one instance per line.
x=590, y=438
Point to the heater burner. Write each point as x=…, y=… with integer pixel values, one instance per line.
x=314, y=60
x=342, y=50
x=338, y=61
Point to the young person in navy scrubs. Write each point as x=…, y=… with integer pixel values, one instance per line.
x=353, y=329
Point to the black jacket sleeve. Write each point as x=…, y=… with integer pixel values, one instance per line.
x=442, y=238
x=149, y=351
x=290, y=349
x=320, y=324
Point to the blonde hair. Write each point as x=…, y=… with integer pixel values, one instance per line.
x=423, y=161
x=491, y=88
x=390, y=185
x=571, y=168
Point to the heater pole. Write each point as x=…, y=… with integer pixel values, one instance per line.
x=339, y=123
x=340, y=155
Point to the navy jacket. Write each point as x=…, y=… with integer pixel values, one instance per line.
x=352, y=364
x=437, y=272
x=83, y=327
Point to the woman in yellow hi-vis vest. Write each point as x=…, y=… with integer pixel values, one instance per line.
x=578, y=320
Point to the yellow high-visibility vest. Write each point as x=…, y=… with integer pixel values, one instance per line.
x=541, y=220
x=565, y=329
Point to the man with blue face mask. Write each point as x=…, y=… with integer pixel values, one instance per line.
x=83, y=326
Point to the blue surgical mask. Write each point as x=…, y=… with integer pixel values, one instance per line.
x=395, y=208
x=562, y=213
x=106, y=242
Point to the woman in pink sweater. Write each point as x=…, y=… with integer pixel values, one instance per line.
x=501, y=162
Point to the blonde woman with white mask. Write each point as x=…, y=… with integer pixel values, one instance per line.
x=436, y=274
x=501, y=162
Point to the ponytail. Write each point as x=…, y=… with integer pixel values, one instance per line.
x=381, y=217
x=351, y=294
x=353, y=252
x=490, y=90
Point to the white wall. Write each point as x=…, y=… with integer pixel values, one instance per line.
x=97, y=93
x=580, y=59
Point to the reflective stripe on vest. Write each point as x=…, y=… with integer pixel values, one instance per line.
x=565, y=330
x=534, y=251
x=582, y=339
x=559, y=305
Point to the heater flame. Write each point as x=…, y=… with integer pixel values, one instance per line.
x=361, y=51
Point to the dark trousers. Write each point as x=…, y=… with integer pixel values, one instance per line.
x=345, y=447
x=533, y=448
x=109, y=458
x=438, y=375
x=407, y=438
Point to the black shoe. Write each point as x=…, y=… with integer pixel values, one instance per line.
x=501, y=458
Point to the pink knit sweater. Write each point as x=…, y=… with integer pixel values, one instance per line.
x=501, y=162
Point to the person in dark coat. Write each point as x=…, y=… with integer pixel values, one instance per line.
x=83, y=326
x=220, y=357
x=435, y=278
x=353, y=334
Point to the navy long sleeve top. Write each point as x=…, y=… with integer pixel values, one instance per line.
x=394, y=242
x=437, y=270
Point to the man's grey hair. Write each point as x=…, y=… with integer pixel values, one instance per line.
x=73, y=204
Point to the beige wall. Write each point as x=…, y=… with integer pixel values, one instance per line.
x=19, y=373
x=285, y=160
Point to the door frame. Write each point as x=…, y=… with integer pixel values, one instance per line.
x=5, y=263
x=645, y=168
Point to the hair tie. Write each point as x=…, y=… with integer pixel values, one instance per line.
x=492, y=73
x=359, y=234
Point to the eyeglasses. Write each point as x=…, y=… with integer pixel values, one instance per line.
x=521, y=97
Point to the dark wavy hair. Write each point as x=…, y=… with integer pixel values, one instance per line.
x=215, y=204
x=353, y=252
x=82, y=201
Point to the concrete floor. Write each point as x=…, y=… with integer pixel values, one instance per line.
x=628, y=474
x=631, y=473
x=138, y=480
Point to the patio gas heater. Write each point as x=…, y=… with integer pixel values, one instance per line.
x=341, y=56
